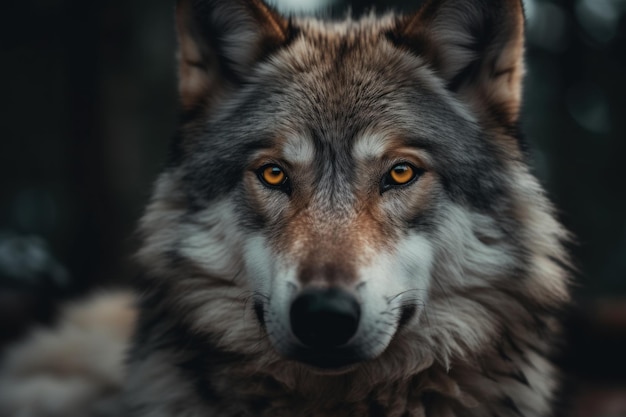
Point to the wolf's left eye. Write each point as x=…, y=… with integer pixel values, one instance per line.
x=399, y=175
x=273, y=176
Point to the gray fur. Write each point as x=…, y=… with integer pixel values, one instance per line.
x=471, y=248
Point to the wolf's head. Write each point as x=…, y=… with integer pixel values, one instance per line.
x=355, y=191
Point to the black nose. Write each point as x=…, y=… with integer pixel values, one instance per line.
x=325, y=318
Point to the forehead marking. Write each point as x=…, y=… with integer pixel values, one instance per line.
x=298, y=150
x=370, y=146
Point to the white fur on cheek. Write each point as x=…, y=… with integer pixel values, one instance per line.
x=389, y=281
x=210, y=240
x=258, y=263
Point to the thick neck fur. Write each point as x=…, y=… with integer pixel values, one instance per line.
x=512, y=378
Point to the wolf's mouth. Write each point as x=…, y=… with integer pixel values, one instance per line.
x=407, y=313
x=338, y=359
x=259, y=312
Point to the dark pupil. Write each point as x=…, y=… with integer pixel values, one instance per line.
x=400, y=169
x=276, y=172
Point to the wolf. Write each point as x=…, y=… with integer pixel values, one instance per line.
x=348, y=224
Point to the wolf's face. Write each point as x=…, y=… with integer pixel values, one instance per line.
x=347, y=189
x=338, y=201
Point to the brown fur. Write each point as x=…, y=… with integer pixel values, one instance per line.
x=472, y=248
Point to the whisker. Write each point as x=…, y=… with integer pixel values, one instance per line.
x=389, y=300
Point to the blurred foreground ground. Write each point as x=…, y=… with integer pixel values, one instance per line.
x=595, y=361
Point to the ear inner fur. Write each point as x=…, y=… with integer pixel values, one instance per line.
x=481, y=60
x=219, y=41
x=274, y=26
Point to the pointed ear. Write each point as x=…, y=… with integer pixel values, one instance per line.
x=476, y=46
x=219, y=41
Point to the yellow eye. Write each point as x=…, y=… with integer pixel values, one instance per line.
x=273, y=175
x=401, y=174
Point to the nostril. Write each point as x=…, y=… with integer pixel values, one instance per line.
x=325, y=318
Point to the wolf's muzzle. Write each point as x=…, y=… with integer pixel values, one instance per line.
x=324, y=318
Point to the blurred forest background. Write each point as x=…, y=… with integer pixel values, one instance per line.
x=89, y=104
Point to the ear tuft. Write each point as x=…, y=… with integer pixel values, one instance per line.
x=219, y=42
x=476, y=46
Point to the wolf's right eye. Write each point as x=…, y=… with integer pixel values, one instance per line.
x=273, y=176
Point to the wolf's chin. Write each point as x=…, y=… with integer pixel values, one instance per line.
x=328, y=364
x=333, y=371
